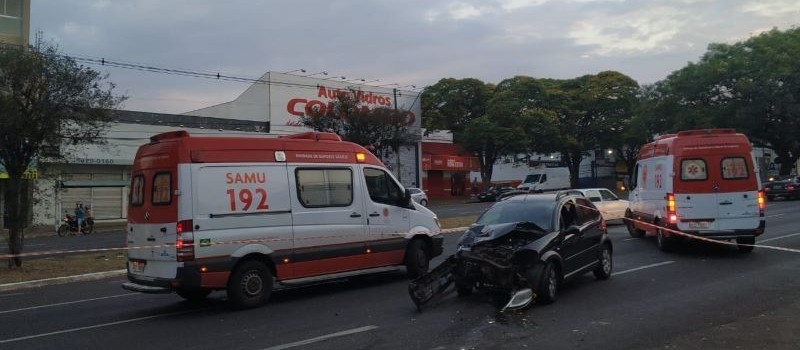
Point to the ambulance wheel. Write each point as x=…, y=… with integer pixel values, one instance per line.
x=632, y=230
x=250, y=285
x=193, y=295
x=746, y=240
x=664, y=243
x=417, y=259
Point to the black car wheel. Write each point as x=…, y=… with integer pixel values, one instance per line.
x=250, y=285
x=464, y=287
x=750, y=241
x=547, y=278
x=417, y=258
x=603, y=271
x=423, y=202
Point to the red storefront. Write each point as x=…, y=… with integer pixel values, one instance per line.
x=445, y=170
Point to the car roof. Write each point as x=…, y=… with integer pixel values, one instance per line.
x=542, y=197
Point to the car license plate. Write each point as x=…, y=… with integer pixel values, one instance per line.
x=698, y=224
x=137, y=266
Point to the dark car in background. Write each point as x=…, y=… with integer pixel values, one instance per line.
x=493, y=193
x=787, y=188
x=525, y=247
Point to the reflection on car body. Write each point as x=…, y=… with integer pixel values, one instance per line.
x=525, y=245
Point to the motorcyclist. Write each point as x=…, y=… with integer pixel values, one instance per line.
x=79, y=215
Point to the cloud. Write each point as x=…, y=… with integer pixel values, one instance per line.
x=646, y=30
x=775, y=8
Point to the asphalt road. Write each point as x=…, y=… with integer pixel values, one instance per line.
x=700, y=297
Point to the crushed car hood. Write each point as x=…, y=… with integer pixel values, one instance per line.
x=478, y=234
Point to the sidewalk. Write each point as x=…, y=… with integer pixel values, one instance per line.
x=49, y=231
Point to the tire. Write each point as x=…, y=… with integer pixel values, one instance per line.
x=746, y=240
x=194, y=295
x=63, y=230
x=417, y=258
x=423, y=202
x=664, y=243
x=548, y=278
x=603, y=271
x=632, y=230
x=250, y=285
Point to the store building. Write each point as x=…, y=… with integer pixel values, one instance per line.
x=446, y=167
x=98, y=175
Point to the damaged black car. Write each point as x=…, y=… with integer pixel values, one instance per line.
x=524, y=247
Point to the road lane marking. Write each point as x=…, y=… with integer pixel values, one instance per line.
x=776, y=215
x=94, y=326
x=322, y=337
x=10, y=295
x=779, y=237
x=643, y=267
x=67, y=303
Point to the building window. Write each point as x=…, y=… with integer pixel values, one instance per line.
x=11, y=17
x=324, y=187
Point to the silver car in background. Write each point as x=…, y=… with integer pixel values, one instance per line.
x=419, y=196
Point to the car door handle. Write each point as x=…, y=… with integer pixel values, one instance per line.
x=374, y=214
x=164, y=229
x=725, y=203
x=151, y=239
x=355, y=215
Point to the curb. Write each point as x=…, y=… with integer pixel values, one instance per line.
x=61, y=280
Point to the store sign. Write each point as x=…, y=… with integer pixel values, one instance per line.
x=455, y=163
x=292, y=97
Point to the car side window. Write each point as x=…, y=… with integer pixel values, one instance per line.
x=607, y=195
x=381, y=187
x=568, y=215
x=318, y=188
x=593, y=195
x=586, y=212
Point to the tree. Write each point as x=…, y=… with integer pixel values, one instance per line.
x=584, y=114
x=46, y=100
x=489, y=140
x=451, y=104
x=753, y=86
x=382, y=129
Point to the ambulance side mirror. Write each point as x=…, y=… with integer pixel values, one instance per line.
x=405, y=202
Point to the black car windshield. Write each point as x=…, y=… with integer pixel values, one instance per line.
x=537, y=212
x=532, y=179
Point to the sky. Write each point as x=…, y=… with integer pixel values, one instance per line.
x=409, y=42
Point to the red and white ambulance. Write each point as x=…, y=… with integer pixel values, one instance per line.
x=246, y=214
x=699, y=182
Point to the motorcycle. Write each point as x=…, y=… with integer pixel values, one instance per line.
x=69, y=225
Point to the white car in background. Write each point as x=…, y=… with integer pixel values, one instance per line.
x=610, y=206
x=419, y=196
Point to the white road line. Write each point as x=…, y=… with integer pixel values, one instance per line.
x=776, y=215
x=67, y=303
x=777, y=238
x=94, y=326
x=321, y=338
x=643, y=267
x=10, y=295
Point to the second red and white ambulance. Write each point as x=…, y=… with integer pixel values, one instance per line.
x=699, y=182
x=246, y=214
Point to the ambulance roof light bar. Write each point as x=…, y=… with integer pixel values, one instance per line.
x=169, y=135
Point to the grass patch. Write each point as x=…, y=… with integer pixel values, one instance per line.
x=63, y=265
x=458, y=221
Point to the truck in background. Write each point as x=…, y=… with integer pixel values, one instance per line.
x=546, y=179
